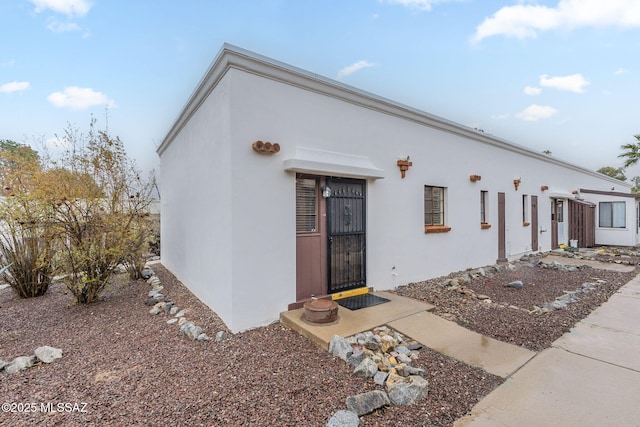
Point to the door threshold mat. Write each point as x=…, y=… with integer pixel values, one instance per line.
x=361, y=301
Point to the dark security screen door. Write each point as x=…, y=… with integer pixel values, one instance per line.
x=346, y=236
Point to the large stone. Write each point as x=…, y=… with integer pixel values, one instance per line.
x=344, y=418
x=48, y=354
x=407, y=393
x=372, y=343
x=380, y=377
x=366, y=369
x=340, y=347
x=517, y=284
x=394, y=379
x=365, y=403
x=146, y=273
x=388, y=343
x=356, y=358
x=221, y=336
x=19, y=363
x=190, y=330
x=405, y=370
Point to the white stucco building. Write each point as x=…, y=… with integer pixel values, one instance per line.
x=251, y=230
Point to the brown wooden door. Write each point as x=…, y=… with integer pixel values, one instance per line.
x=554, y=224
x=311, y=265
x=534, y=224
x=502, y=229
x=346, y=224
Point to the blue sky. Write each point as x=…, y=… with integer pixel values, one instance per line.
x=558, y=75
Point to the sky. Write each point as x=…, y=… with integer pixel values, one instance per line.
x=556, y=75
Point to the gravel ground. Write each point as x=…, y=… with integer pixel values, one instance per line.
x=131, y=368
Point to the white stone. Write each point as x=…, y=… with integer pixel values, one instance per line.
x=48, y=354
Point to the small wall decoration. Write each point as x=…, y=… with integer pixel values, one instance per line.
x=474, y=178
x=404, y=166
x=516, y=183
x=265, y=147
x=544, y=187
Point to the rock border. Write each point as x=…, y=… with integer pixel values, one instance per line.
x=161, y=305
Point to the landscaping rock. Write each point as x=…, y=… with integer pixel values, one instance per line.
x=380, y=377
x=366, y=369
x=221, y=336
x=517, y=284
x=340, y=347
x=365, y=403
x=48, y=354
x=344, y=418
x=356, y=357
x=19, y=363
x=407, y=393
x=190, y=330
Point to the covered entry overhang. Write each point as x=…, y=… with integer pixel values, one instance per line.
x=329, y=163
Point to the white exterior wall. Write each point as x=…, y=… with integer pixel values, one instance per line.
x=627, y=236
x=196, y=220
x=242, y=262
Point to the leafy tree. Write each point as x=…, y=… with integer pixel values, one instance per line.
x=631, y=152
x=89, y=206
x=100, y=202
x=636, y=184
x=617, y=173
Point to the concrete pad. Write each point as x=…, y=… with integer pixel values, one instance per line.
x=594, y=264
x=558, y=388
x=620, y=313
x=453, y=340
x=350, y=322
x=604, y=344
x=631, y=289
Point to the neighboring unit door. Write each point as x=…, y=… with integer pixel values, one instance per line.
x=346, y=232
x=556, y=211
x=502, y=229
x=534, y=224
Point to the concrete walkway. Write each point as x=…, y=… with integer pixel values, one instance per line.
x=449, y=338
x=589, y=377
x=412, y=319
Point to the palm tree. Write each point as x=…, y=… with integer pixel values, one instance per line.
x=631, y=152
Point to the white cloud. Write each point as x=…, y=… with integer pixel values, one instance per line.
x=62, y=27
x=78, y=98
x=501, y=116
x=524, y=20
x=14, y=87
x=9, y=63
x=348, y=70
x=529, y=90
x=66, y=7
x=572, y=83
x=535, y=112
x=620, y=71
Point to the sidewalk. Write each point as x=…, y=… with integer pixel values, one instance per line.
x=589, y=377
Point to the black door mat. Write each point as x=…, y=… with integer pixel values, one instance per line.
x=361, y=301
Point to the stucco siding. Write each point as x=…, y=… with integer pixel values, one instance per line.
x=229, y=212
x=196, y=221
